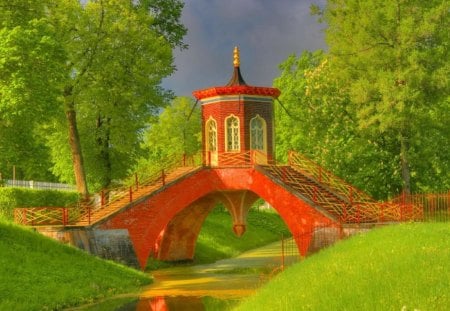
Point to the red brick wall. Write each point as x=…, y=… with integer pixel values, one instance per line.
x=245, y=111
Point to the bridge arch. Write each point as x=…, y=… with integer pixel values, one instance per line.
x=159, y=224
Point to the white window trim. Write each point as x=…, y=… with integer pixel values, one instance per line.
x=239, y=133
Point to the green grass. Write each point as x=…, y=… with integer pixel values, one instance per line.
x=37, y=273
x=401, y=267
x=217, y=240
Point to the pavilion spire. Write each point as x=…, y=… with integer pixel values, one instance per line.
x=236, y=78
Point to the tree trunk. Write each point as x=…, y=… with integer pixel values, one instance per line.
x=103, y=141
x=75, y=146
x=406, y=173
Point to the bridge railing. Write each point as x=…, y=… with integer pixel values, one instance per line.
x=236, y=159
x=107, y=199
x=320, y=174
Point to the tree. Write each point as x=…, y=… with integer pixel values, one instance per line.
x=393, y=61
x=318, y=119
x=176, y=132
x=113, y=57
x=30, y=81
x=118, y=52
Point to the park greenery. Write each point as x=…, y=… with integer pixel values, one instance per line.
x=81, y=98
x=38, y=273
x=374, y=108
x=31, y=262
x=79, y=81
x=398, y=267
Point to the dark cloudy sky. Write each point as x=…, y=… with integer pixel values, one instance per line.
x=266, y=31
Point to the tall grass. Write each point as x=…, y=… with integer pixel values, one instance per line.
x=400, y=267
x=37, y=273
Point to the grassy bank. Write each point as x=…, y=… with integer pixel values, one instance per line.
x=401, y=267
x=37, y=273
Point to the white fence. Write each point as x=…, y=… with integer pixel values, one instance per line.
x=37, y=185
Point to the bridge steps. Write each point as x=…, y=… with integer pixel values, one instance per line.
x=98, y=213
x=320, y=195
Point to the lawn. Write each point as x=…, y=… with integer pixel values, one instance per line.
x=399, y=267
x=37, y=273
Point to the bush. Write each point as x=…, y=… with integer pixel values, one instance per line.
x=11, y=198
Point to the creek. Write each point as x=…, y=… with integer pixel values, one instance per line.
x=217, y=286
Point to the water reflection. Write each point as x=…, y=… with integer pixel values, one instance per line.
x=180, y=304
x=217, y=286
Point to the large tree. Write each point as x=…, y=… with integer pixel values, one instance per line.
x=89, y=73
x=31, y=78
x=120, y=51
x=316, y=117
x=393, y=57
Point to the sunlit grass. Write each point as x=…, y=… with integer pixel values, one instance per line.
x=401, y=266
x=37, y=273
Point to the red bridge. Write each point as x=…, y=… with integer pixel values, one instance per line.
x=163, y=214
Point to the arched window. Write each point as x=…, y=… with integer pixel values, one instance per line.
x=258, y=133
x=232, y=134
x=211, y=134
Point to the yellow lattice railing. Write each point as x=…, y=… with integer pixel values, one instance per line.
x=323, y=176
x=237, y=159
x=343, y=200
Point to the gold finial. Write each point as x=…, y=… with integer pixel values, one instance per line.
x=236, y=56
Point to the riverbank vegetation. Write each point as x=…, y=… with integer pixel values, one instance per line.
x=37, y=273
x=400, y=267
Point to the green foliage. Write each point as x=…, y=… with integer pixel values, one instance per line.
x=53, y=276
x=393, y=268
x=11, y=198
x=392, y=61
x=176, y=132
x=94, y=67
x=31, y=59
x=123, y=51
x=374, y=108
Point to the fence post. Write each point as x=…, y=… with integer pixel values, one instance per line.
x=131, y=193
x=350, y=194
x=25, y=216
x=381, y=219
x=315, y=194
x=402, y=205
x=102, y=199
x=163, y=178
x=282, y=252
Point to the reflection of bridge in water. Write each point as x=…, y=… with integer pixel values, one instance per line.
x=161, y=215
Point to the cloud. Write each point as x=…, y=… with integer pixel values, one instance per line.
x=266, y=31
